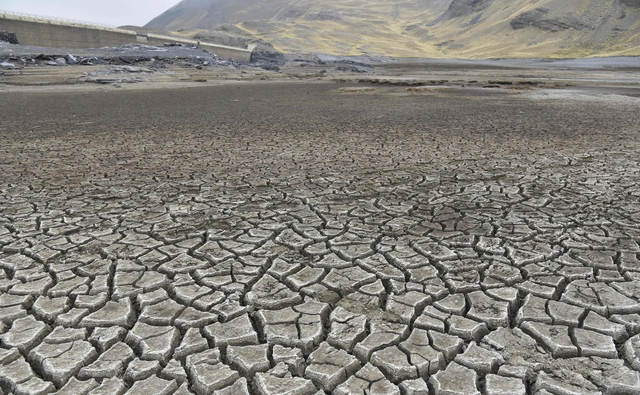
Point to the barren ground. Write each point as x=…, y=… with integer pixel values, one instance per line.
x=303, y=236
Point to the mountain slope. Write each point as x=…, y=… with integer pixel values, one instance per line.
x=421, y=28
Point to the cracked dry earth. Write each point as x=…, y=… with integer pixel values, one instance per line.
x=289, y=239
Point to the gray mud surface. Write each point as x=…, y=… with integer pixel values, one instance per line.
x=319, y=238
x=124, y=50
x=613, y=63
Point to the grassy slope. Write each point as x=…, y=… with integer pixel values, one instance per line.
x=388, y=27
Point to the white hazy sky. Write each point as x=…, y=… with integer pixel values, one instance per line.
x=110, y=12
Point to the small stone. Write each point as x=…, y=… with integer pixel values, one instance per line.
x=15, y=372
x=153, y=385
x=539, y=290
x=353, y=385
x=631, y=352
x=112, y=314
x=267, y=384
x=405, y=306
x=71, y=318
x=456, y=380
x=369, y=373
x=91, y=302
x=382, y=336
x=631, y=322
x=567, y=383
x=153, y=342
x=427, y=322
x=269, y=293
x=597, y=323
x=615, y=302
x=383, y=387
x=593, y=344
x=614, y=377
x=414, y=387
x=111, y=363
x=174, y=371
x=47, y=309
x=151, y=298
x=565, y=314
x=555, y=338
x=240, y=387
x=59, y=362
x=533, y=309
x=208, y=374
x=394, y=363
x=498, y=385
x=184, y=390
x=13, y=307
x=24, y=334
x=421, y=354
x=163, y=313
x=65, y=335
x=229, y=310
x=104, y=338
x=347, y=329
x=304, y=277
x=237, y=332
x=467, y=329
x=193, y=342
x=329, y=366
x=449, y=345
x=76, y=387
x=182, y=263
x=192, y=318
x=140, y=370
x=34, y=386
x=280, y=370
x=249, y=359
x=479, y=359
x=8, y=356
x=35, y=287
x=515, y=371
x=488, y=310
x=362, y=382
x=292, y=357
x=452, y=304
x=112, y=386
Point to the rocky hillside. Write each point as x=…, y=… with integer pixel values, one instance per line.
x=418, y=28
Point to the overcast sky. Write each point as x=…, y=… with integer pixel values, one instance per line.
x=110, y=12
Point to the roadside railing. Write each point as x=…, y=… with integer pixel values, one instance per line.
x=53, y=18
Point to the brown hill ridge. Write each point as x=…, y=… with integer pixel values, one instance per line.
x=419, y=28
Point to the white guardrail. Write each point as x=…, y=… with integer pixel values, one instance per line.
x=53, y=18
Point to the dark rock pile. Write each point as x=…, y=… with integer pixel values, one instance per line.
x=540, y=18
x=336, y=63
x=325, y=15
x=265, y=56
x=9, y=37
x=137, y=55
x=631, y=3
x=466, y=7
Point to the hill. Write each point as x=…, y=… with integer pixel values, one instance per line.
x=420, y=28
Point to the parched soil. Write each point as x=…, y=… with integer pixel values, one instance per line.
x=319, y=238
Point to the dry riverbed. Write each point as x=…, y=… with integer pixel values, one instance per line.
x=410, y=230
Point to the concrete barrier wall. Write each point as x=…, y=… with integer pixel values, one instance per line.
x=58, y=34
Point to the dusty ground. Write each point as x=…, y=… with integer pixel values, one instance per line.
x=309, y=237
x=188, y=68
